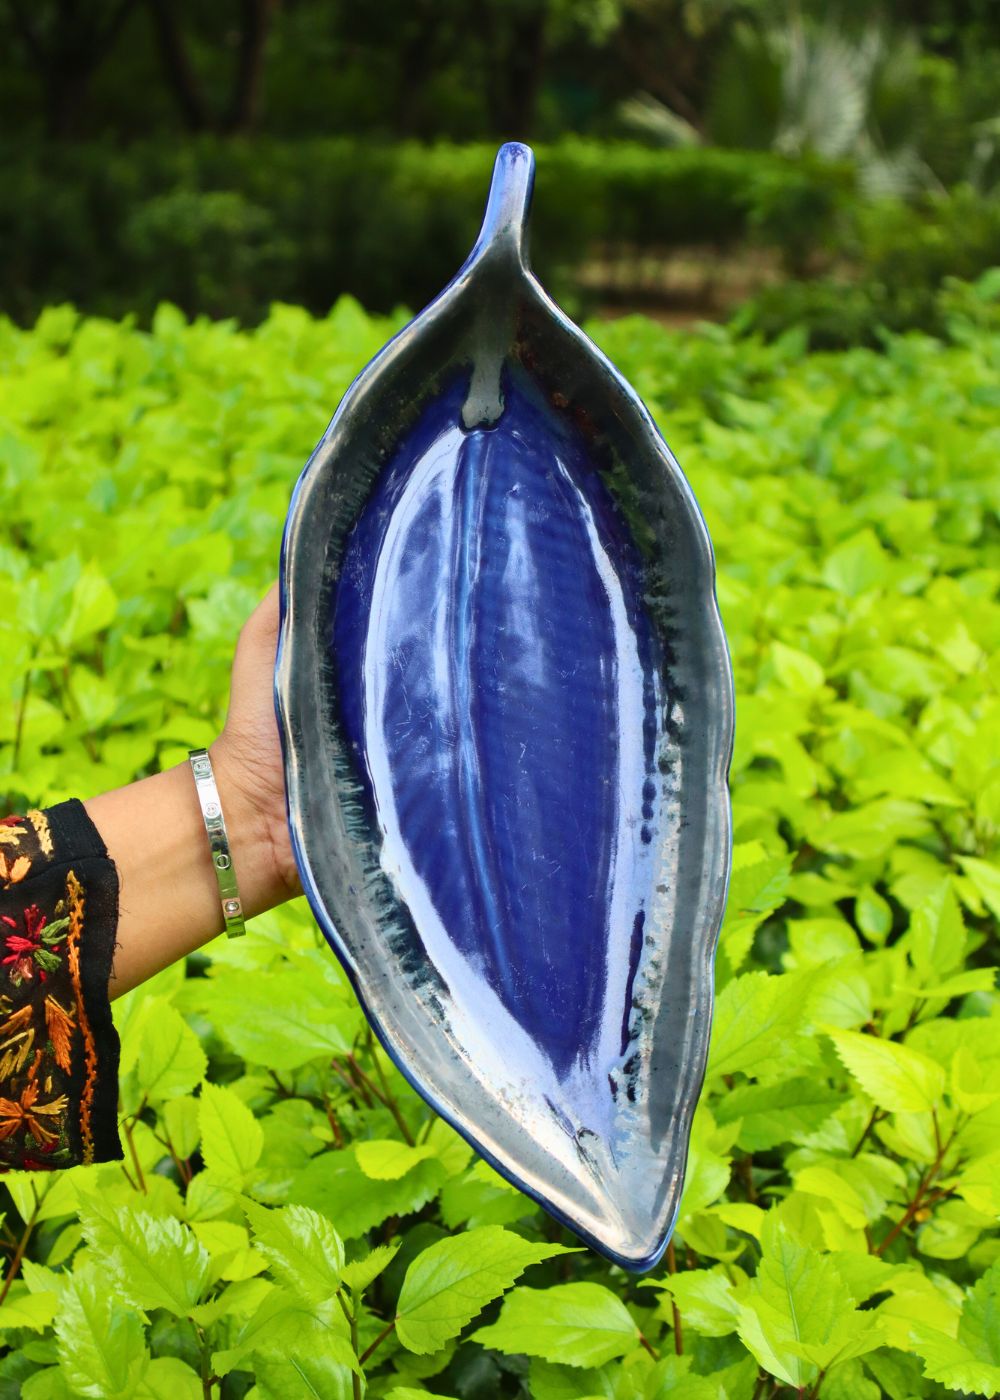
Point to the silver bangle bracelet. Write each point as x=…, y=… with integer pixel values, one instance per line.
x=218, y=840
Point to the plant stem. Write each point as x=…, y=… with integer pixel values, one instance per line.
x=941, y=1194
x=814, y=1389
x=648, y=1346
x=923, y=1186
x=129, y=1124
x=369, y=1091
x=678, y=1329
x=208, y=1376
x=386, y=1330
x=389, y=1099
x=352, y=1318
x=914, y=1015
x=206, y=1365
x=907, y=1216
x=183, y=1167
x=746, y=1176
x=331, y=1118
x=22, y=1245
x=354, y=1085
x=19, y=722
x=876, y=1116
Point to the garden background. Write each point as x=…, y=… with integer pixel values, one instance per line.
x=782, y=222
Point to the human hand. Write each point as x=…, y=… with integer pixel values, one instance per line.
x=247, y=757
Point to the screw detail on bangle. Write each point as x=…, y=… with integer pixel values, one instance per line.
x=218, y=840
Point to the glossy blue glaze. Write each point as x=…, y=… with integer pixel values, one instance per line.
x=499, y=688
x=505, y=705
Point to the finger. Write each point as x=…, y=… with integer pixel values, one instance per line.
x=258, y=640
x=266, y=616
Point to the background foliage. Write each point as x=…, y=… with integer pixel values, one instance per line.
x=226, y=227
x=290, y=1220
x=693, y=153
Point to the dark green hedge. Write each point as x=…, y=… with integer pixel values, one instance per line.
x=226, y=227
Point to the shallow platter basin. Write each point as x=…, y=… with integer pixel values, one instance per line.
x=505, y=703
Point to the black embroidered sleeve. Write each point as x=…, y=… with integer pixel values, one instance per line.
x=59, y=1050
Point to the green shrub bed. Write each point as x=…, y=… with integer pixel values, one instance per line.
x=290, y=1220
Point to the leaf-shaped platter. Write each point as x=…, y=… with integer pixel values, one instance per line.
x=505, y=702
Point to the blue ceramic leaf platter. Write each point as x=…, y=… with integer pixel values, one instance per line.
x=505, y=702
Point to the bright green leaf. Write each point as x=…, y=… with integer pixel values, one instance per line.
x=92, y=606
x=101, y=1345
x=451, y=1281
x=798, y=1316
x=706, y=1299
x=937, y=934
x=301, y=1246
x=32, y=1310
x=896, y=1078
x=361, y=1273
x=576, y=1324
x=303, y=1377
x=986, y=879
x=155, y=1261
x=231, y=1137
x=335, y=1185
x=388, y=1160
x=409, y=1392
x=754, y=1015
x=168, y=1378
x=180, y=1118
x=979, y=1325
x=283, y=1327
x=163, y=1050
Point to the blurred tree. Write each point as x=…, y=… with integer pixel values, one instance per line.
x=669, y=48
x=498, y=52
x=949, y=27
x=739, y=72
x=65, y=42
x=240, y=111
x=515, y=34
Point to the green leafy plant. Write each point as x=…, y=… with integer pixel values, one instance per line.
x=290, y=1219
x=908, y=256
x=227, y=227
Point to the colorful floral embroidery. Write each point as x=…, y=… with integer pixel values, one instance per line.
x=35, y=946
x=17, y=1040
x=28, y=1114
x=12, y=871
x=48, y=1055
x=14, y=865
x=59, y=1024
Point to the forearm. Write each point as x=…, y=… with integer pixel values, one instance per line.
x=169, y=901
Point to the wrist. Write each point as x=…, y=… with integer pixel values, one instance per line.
x=155, y=834
x=265, y=878
x=168, y=894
